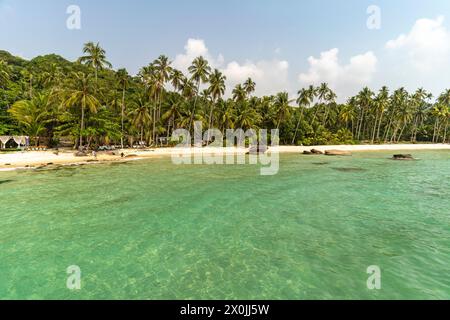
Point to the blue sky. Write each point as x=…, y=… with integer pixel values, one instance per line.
x=270, y=40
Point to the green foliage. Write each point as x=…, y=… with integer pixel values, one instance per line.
x=88, y=103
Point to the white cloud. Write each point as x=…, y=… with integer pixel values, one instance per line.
x=344, y=79
x=193, y=49
x=427, y=45
x=270, y=76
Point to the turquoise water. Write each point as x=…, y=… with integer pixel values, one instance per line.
x=153, y=230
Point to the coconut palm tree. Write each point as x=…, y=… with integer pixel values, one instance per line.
x=81, y=95
x=199, y=71
x=304, y=100
x=95, y=57
x=163, y=71
x=444, y=101
x=177, y=78
x=249, y=86
x=123, y=81
x=33, y=115
x=239, y=93
x=364, y=100
x=282, y=107
x=216, y=90
x=418, y=103
x=380, y=103
x=141, y=114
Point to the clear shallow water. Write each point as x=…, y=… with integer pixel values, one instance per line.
x=153, y=230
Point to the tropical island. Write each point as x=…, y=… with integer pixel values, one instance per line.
x=86, y=105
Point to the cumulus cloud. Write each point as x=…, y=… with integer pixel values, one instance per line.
x=427, y=45
x=193, y=49
x=270, y=76
x=344, y=79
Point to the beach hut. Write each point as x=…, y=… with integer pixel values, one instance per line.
x=18, y=140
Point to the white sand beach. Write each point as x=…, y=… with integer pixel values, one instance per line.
x=33, y=159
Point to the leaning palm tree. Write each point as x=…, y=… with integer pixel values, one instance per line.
x=199, y=71
x=81, y=95
x=216, y=90
x=123, y=80
x=304, y=100
x=95, y=58
x=33, y=115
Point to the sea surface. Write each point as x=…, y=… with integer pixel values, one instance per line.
x=154, y=230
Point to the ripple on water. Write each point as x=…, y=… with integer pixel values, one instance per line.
x=153, y=230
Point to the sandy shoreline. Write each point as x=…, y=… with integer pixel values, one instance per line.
x=35, y=159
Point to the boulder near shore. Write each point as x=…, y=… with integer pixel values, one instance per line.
x=337, y=153
x=402, y=157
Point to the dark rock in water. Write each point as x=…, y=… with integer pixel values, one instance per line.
x=80, y=154
x=338, y=153
x=7, y=164
x=402, y=157
x=257, y=150
x=50, y=163
x=307, y=152
x=5, y=181
x=315, y=151
x=320, y=163
x=349, y=169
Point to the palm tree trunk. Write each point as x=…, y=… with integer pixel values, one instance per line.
x=82, y=125
x=123, y=110
x=379, y=126
x=296, y=128
x=445, y=132
x=195, y=103
x=374, y=128
x=211, y=117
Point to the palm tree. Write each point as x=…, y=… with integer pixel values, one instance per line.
x=304, y=100
x=444, y=101
x=199, y=71
x=249, y=86
x=33, y=114
x=418, y=102
x=177, y=78
x=123, y=80
x=141, y=115
x=216, y=90
x=239, y=93
x=95, y=58
x=282, y=107
x=163, y=71
x=380, y=102
x=364, y=100
x=81, y=95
